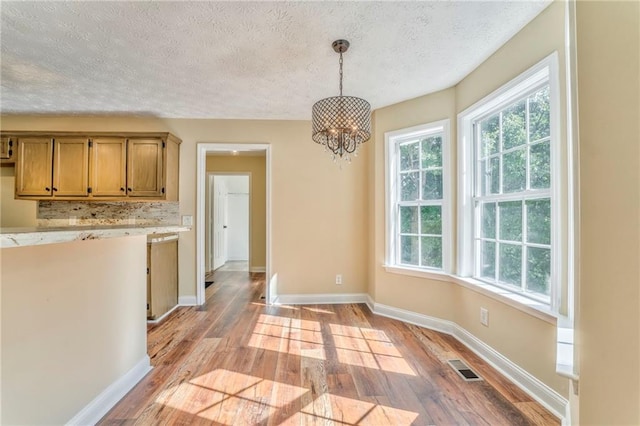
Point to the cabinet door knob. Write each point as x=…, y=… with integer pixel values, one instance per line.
x=55, y=189
x=47, y=189
x=129, y=189
x=122, y=189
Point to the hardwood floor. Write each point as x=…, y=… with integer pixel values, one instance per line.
x=235, y=361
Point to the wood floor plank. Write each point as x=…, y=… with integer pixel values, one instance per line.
x=237, y=361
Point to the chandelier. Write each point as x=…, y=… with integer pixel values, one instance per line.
x=341, y=123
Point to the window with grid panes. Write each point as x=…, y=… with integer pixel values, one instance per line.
x=416, y=160
x=512, y=195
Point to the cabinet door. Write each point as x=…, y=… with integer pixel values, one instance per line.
x=6, y=149
x=71, y=167
x=34, y=167
x=144, y=167
x=163, y=278
x=107, y=167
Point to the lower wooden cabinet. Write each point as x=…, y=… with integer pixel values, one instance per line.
x=162, y=274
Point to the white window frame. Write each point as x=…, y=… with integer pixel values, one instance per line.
x=544, y=72
x=392, y=141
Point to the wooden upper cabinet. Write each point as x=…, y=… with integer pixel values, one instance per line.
x=123, y=166
x=34, y=168
x=70, y=167
x=108, y=167
x=145, y=167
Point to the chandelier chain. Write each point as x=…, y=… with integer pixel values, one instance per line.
x=340, y=73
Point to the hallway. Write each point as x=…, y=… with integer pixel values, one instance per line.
x=235, y=361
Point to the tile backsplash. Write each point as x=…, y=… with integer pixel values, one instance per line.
x=69, y=213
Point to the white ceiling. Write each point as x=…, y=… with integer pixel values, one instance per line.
x=258, y=60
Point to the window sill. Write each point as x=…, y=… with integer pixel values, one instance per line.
x=420, y=273
x=528, y=306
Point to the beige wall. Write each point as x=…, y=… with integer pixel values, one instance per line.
x=524, y=339
x=258, y=199
x=608, y=47
x=14, y=213
x=320, y=219
x=71, y=323
x=434, y=298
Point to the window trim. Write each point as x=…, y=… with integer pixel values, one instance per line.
x=392, y=138
x=544, y=72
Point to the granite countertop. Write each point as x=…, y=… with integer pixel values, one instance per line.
x=21, y=237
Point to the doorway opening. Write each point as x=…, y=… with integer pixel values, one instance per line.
x=217, y=246
x=227, y=222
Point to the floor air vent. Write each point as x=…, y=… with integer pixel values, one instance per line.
x=464, y=371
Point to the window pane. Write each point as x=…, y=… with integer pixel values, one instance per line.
x=432, y=252
x=540, y=166
x=409, y=186
x=539, y=116
x=488, y=266
x=409, y=220
x=514, y=167
x=490, y=175
x=432, y=152
x=514, y=127
x=409, y=156
x=431, y=217
x=510, y=220
x=510, y=264
x=409, y=250
x=489, y=135
x=488, y=220
x=538, y=270
x=432, y=185
x=539, y=221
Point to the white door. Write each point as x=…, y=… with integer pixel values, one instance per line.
x=238, y=230
x=219, y=222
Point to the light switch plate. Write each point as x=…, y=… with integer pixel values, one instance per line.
x=187, y=220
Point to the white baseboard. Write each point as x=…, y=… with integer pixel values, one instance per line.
x=431, y=323
x=371, y=304
x=320, y=299
x=96, y=409
x=272, y=290
x=257, y=269
x=542, y=393
x=187, y=301
x=163, y=316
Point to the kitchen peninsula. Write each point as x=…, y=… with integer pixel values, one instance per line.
x=73, y=310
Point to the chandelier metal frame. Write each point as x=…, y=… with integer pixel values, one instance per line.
x=341, y=123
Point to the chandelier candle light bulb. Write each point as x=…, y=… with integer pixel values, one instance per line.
x=341, y=123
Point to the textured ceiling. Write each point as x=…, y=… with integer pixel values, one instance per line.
x=269, y=60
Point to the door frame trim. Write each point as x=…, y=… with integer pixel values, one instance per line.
x=202, y=149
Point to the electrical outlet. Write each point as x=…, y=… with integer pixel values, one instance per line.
x=339, y=279
x=484, y=317
x=187, y=220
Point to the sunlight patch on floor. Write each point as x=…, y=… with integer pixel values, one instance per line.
x=288, y=335
x=330, y=409
x=367, y=347
x=230, y=398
